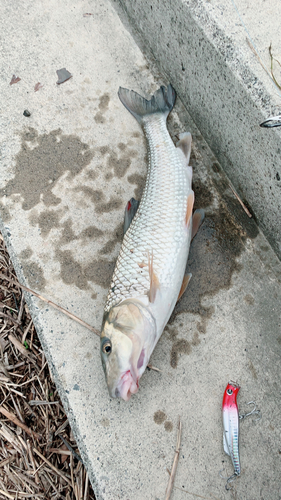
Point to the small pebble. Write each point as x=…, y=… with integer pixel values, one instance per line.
x=26, y=113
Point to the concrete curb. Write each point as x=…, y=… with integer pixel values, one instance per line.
x=226, y=91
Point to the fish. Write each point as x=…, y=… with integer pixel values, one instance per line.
x=230, y=417
x=149, y=272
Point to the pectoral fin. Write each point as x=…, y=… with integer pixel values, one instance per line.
x=154, y=282
x=184, y=285
x=130, y=212
x=197, y=220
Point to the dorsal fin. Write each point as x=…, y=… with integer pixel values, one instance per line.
x=184, y=285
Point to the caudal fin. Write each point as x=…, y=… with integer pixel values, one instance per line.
x=161, y=102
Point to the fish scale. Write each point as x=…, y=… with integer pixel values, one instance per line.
x=158, y=225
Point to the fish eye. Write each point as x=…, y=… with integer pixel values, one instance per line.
x=229, y=392
x=107, y=347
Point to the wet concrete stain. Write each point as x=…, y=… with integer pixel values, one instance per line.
x=118, y=234
x=139, y=180
x=26, y=253
x=249, y=299
x=203, y=196
x=252, y=369
x=105, y=422
x=97, y=197
x=159, y=417
x=5, y=214
x=41, y=161
x=117, y=165
x=103, y=107
x=47, y=220
x=98, y=271
x=168, y=426
x=32, y=270
x=50, y=219
x=71, y=271
x=34, y=274
x=212, y=261
x=179, y=347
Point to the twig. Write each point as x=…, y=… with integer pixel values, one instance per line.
x=271, y=66
x=34, y=402
x=8, y=460
x=26, y=331
x=37, y=480
x=86, y=486
x=6, y=494
x=17, y=422
x=257, y=56
x=59, y=451
x=175, y=464
x=52, y=467
x=10, y=318
x=240, y=201
x=20, y=347
x=70, y=448
x=59, y=308
x=150, y=367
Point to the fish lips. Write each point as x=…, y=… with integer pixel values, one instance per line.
x=128, y=385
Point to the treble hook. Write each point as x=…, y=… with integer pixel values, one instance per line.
x=253, y=412
x=230, y=479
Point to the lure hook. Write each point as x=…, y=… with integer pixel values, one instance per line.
x=253, y=412
x=230, y=479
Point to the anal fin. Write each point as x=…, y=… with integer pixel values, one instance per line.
x=189, y=207
x=197, y=220
x=184, y=285
x=185, y=145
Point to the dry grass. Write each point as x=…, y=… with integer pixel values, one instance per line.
x=38, y=453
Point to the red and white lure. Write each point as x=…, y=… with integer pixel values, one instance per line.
x=230, y=417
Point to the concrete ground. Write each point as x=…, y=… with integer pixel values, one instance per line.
x=67, y=172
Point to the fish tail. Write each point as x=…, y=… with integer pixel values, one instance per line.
x=161, y=102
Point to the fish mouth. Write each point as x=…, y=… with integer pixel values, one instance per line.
x=128, y=385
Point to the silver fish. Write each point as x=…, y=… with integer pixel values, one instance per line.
x=150, y=268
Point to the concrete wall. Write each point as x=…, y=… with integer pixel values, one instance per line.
x=221, y=89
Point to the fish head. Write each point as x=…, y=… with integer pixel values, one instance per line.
x=126, y=344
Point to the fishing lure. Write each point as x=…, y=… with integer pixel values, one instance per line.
x=230, y=417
